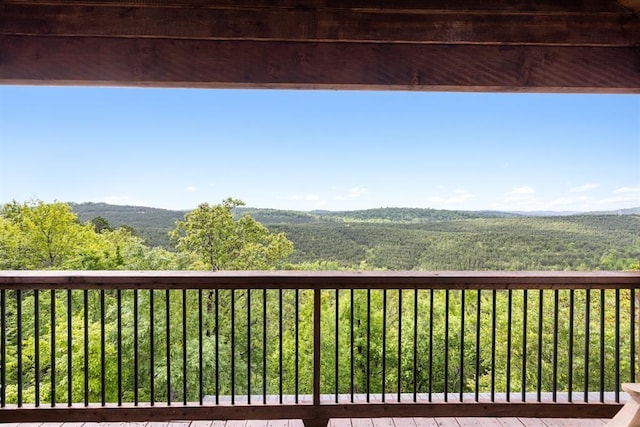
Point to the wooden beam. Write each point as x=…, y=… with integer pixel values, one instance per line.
x=316, y=280
x=227, y=64
x=498, y=6
x=322, y=25
x=632, y=5
x=261, y=412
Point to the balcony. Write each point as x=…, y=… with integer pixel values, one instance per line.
x=155, y=346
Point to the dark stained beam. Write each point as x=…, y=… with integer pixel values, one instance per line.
x=323, y=25
x=224, y=64
x=305, y=411
x=632, y=5
x=497, y=6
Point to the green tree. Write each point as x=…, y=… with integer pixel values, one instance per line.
x=222, y=243
x=40, y=235
x=100, y=224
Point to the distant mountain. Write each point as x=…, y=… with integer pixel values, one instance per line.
x=153, y=224
x=409, y=215
x=628, y=211
x=547, y=213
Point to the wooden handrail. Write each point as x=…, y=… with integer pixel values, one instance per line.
x=316, y=280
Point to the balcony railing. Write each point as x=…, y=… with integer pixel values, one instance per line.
x=133, y=346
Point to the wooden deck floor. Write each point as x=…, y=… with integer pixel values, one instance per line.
x=355, y=422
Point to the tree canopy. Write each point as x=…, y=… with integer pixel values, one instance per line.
x=220, y=242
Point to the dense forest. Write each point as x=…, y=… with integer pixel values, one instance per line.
x=401, y=339
x=422, y=239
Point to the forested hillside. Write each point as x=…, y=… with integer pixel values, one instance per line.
x=532, y=243
x=98, y=330
x=423, y=239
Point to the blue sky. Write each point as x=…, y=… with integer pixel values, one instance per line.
x=305, y=150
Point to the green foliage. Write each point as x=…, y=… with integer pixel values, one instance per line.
x=100, y=224
x=584, y=242
x=264, y=326
x=38, y=235
x=222, y=243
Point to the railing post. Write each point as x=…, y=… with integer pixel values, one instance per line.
x=638, y=337
x=316, y=422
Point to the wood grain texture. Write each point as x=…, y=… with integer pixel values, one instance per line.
x=323, y=25
x=366, y=411
x=467, y=45
x=631, y=5
x=227, y=64
x=315, y=280
x=560, y=6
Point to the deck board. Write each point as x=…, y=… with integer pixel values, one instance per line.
x=355, y=422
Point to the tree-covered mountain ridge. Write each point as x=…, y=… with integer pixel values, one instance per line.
x=141, y=215
x=422, y=239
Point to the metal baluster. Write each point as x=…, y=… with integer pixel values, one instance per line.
x=556, y=308
x=248, y=299
x=200, y=349
x=493, y=344
x=103, y=381
x=53, y=352
x=478, y=323
x=167, y=311
x=280, y=345
x=36, y=350
x=602, y=345
x=119, y=343
x=462, y=316
x=297, y=351
x=384, y=343
x=570, y=362
x=233, y=346
x=19, y=346
x=86, y=346
x=184, y=347
x=151, y=349
x=399, y=343
x=217, y=338
x=632, y=337
x=446, y=345
x=415, y=345
x=525, y=313
x=351, y=360
x=136, y=350
x=509, y=340
x=540, y=325
x=617, y=347
x=337, y=346
x=368, y=381
x=264, y=346
x=3, y=348
x=430, y=378
x=587, y=342
x=69, y=348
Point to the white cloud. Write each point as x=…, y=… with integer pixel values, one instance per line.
x=309, y=197
x=458, y=196
x=567, y=201
x=625, y=190
x=583, y=188
x=623, y=195
x=357, y=192
x=191, y=189
x=353, y=193
x=520, y=191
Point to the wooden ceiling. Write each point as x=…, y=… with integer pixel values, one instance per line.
x=456, y=45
